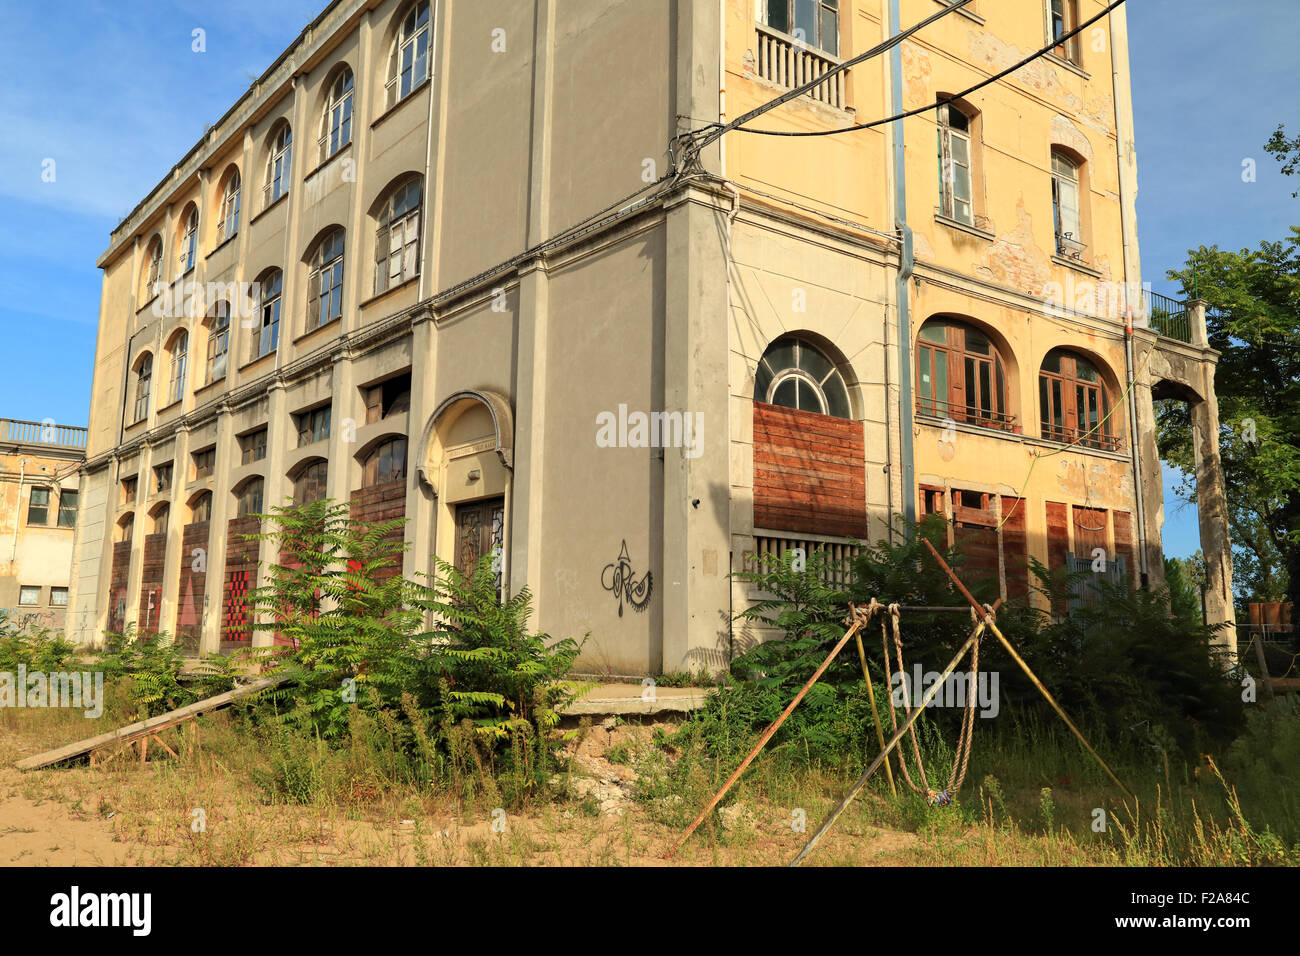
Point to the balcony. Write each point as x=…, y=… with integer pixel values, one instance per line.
x=1168, y=316
x=967, y=415
x=42, y=433
x=790, y=64
x=1090, y=438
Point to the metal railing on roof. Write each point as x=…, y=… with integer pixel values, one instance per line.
x=42, y=433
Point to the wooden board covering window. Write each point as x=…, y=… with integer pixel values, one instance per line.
x=192, y=587
x=1090, y=532
x=151, y=580
x=808, y=472
x=377, y=504
x=1015, y=547
x=117, y=580
x=1124, y=545
x=240, y=578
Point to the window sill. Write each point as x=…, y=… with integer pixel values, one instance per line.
x=962, y=11
x=169, y=406
x=338, y=154
x=423, y=84
x=221, y=245
x=1068, y=65
x=137, y=423
x=267, y=208
x=1076, y=264
x=316, y=331
x=963, y=227
x=1014, y=432
x=257, y=361
x=212, y=384
x=389, y=291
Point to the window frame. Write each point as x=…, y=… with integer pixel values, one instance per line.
x=152, y=269
x=947, y=135
x=371, y=472
x=336, y=120
x=130, y=489
x=792, y=28
x=398, y=213
x=1061, y=392
x=961, y=376
x=313, y=425
x=279, y=164
x=205, y=462
x=163, y=477
x=218, y=326
x=180, y=357
x=396, y=86
x=1066, y=13
x=252, y=446
x=768, y=378
x=252, y=492
x=189, y=242
x=268, y=307
x=1064, y=243
x=24, y=589
x=58, y=590
x=143, y=386
x=228, y=219
x=43, y=507
x=325, y=280
x=314, y=473
x=65, y=507
x=201, y=503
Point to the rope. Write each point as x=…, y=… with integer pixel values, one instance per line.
x=966, y=737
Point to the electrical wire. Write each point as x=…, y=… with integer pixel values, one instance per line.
x=932, y=106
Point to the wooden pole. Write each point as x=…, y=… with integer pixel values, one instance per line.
x=875, y=717
x=893, y=741
x=859, y=617
x=1025, y=667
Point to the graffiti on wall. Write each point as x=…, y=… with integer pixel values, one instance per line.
x=619, y=578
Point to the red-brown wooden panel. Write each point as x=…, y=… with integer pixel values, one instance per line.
x=192, y=588
x=1124, y=544
x=151, y=581
x=377, y=504
x=117, y=581
x=1090, y=532
x=808, y=472
x=1058, y=534
x=1015, y=547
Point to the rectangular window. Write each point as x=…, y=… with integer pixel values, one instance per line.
x=1065, y=207
x=128, y=490
x=205, y=463
x=68, y=508
x=813, y=22
x=252, y=446
x=391, y=398
x=313, y=426
x=29, y=596
x=162, y=477
x=955, y=165
x=58, y=597
x=38, y=507
x=1062, y=18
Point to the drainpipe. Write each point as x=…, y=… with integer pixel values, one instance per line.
x=904, y=274
x=434, y=62
x=1129, y=283
x=18, y=510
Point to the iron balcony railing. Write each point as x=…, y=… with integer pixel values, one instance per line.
x=789, y=64
x=42, y=433
x=1090, y=438
x=967, y=415
x=1169, y=317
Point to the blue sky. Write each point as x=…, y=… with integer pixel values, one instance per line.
x=1211, y=81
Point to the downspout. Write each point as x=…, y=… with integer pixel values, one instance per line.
x=906, y=264
x=428, y=142
x=18, y=510
x=1129, y=283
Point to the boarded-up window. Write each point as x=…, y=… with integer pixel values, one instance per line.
x=1015, y=547
x=809, y=474
x=975, y=535
x=1090, y=533
x=1124, y=544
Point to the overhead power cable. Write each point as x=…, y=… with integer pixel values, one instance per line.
x=1065, y=37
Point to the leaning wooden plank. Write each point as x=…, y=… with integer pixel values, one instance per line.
x=150, y=725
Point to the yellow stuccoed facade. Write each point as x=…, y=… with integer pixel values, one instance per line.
x=526, y=254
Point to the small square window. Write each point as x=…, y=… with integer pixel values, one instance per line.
x=58, y=597
x=29, y=596
x=38, y=507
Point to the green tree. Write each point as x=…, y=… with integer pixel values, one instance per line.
x=1254, y=322
x=1286, y=151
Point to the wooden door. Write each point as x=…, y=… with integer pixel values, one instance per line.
x=480, y=530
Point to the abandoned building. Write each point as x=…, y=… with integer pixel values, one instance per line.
x=39, y=486
x=448, y=261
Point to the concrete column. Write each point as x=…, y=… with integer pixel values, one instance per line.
x=419, y=504
x=144, y=464
x=176, y=520
x=696, y=490
x=527, y=502
x=1196, y=318
x=1212, y=512
x=222, y=509
x=1152, y=490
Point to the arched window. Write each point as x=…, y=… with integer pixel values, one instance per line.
x=408, y=64
x=325, y=284
x=189, y=240
x=125, y=527
x=793, y=374
x=151, y=273
x=160, y=519
x=180, y=354
x=955, y=164
x=228, y=220
x=277, y=165
x=218, y=340
x=201, y=510
x=960, y=375
x=250, y=498
x=387, y=462
x=267, y=334
x=310, y=483
x=1074, y=401
x=143, y=378
x=336, y=124
x=397, y=242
